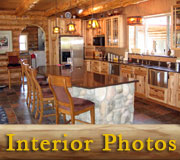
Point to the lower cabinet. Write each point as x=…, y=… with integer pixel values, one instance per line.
x=104, y=67
x=141, y=74
x=127, y=71
x=178, y=90
x=170, y=95
x=157, y=93
x=172, y=89
x=178, y=99
x=88, y=65
x=95, y=66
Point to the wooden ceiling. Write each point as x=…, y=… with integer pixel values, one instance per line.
x=48, y=7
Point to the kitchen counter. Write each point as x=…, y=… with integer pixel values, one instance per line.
x=166, y=69
x=84, y=79
x=113, y=95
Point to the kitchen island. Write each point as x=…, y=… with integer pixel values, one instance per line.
x=113, y=95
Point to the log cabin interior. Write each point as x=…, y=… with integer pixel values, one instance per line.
x=122, y=57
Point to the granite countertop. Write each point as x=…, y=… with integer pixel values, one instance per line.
x=80, y=77
x=139, y=65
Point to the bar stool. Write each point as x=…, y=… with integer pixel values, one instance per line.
x=44, y=96
x=66, y=104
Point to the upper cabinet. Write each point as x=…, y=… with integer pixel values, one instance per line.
x=175, y=27
x=114, y=31
x=90, y=33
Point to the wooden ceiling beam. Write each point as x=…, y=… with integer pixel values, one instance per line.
x=64, y=5
x=108, y=5
x=25, y=6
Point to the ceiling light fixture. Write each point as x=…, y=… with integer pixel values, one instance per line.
x=71, y=26
x=80, y=11
x=93, y=23
x=135, y=20
x=56, y=29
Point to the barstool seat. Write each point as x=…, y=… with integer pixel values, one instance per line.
x=65, y=104
x=79, y=104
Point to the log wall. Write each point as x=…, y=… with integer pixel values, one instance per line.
x=32, y=32
x=18, y=24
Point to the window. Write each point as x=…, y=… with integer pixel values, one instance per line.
x=23, y=42
x=153, y=38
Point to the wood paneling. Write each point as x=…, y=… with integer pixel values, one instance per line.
x=104, y=6
x=32, y=32
x=25, y=6
x=9, y=4
x=17, y=24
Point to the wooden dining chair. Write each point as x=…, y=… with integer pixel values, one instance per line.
x=22, y=62
x=44, y=96
x=14, y=67
x=30, y=87
x=66, y=104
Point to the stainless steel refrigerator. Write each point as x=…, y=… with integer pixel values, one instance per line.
x=72, y=47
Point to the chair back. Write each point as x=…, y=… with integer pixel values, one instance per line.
x=38, y=89
x=59, y=86
x=22, y=62
x=13, y=59
x=26, y=66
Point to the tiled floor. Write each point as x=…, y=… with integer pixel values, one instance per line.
x=13, y=101
x=151, y=113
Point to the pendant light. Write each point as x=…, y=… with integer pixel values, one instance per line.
x=135, y=20
x=56, y=29
x=71, y=26
x=93, y=23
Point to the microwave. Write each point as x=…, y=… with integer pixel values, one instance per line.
x=99, y=41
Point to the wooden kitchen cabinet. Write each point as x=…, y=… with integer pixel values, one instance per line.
x=95, y=66
x=141, y=74
x=175, y=24
x=114, y=36
x=99, y=67
x=157, y=93
x=90, y=33
x=178, y=90
x=88, y=65
x=104, y=67
x=178, y=99
x=101, y=30
x=127, y=71
x=172, y=88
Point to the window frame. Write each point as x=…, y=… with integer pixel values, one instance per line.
x=27, y=48
x=168, y=37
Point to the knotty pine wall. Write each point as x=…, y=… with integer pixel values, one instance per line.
x=32, y=32
x=18, y=24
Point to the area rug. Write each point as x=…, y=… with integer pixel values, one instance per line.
x=3, y=116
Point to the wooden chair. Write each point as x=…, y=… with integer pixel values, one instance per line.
x=22, y=70
x=66, y=104
x=29, y=85
x=14, y=67
x=44, y=96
